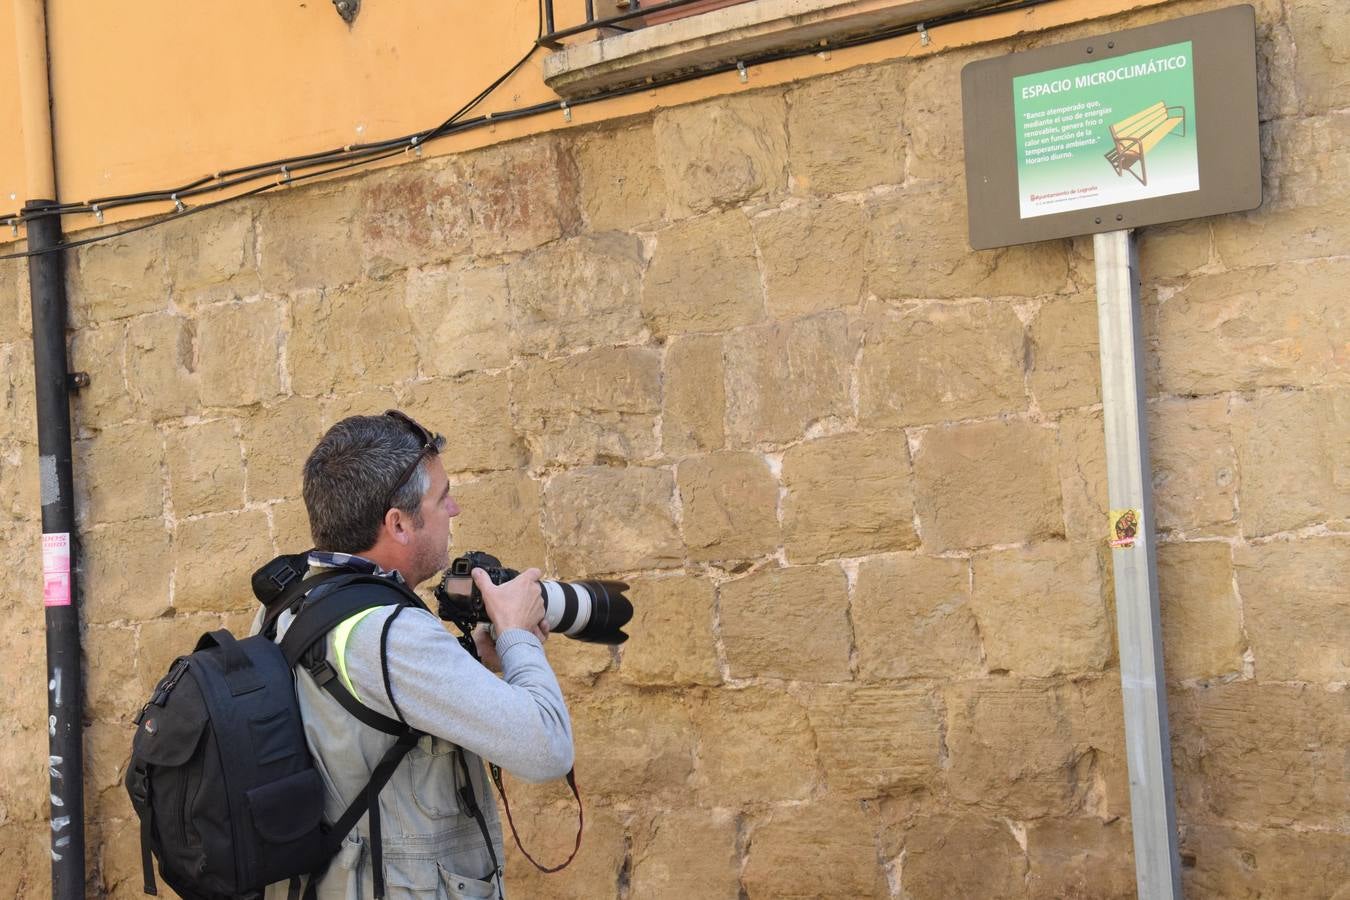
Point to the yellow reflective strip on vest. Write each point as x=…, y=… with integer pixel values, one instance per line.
x=340, y=636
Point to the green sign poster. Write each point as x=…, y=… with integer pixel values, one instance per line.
x=1107, y=132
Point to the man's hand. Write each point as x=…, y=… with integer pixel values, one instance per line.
x=516, y=604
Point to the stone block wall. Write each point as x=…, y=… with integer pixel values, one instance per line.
x=740, y=354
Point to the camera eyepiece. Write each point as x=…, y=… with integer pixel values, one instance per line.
x=592, y=611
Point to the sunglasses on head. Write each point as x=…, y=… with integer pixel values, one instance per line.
x=430, y=447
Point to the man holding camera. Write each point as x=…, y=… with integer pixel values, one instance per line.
x=379, y=503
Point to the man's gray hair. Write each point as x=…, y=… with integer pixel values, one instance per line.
x=348, y=477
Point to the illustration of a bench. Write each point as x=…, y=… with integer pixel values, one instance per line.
x=1135, y=136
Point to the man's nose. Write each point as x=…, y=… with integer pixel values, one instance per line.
x=452, y=506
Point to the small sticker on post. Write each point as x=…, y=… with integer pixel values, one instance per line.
x=56, y=569
x=1124, y=528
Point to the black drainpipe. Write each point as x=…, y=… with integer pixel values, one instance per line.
x=65, y=693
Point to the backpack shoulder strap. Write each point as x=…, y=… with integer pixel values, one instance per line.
x=343, y=597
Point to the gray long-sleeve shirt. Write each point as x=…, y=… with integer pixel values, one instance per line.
x=519, y=721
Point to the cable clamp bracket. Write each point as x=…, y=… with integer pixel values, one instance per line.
x=566, y=111
x=13, y=226
x=285, y=175
x=924, y=40
x=98, y=213
x=177, y=204
x=745, y=75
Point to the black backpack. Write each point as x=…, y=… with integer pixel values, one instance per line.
x=220, y=773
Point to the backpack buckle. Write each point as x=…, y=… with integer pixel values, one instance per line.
x=322, y=672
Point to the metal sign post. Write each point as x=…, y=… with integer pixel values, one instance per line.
x=1148, y=752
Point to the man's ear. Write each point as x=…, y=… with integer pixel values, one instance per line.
x=398, y=525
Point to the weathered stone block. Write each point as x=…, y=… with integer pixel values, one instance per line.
x=1080, y=858
x=290, y=528
x=938, y=851
x=14, y=300
x=787, y=623
x=349, y=338
x=810, y=255
x=723, y=151
x=548, y=829
x=1174, y=250
x=577, y=293
x=755, y=746
x=500, y=514
x=310, y=238
x=1217, y=334
x=276, y=441
x=932, y=90
x=461, y=320
x=215, y=257
x=18, y=416
x=1248, y=864
x=730, y=506
x=1306, y=187
x=161, y=366
x=693, y=411
x=1201, y=615
x=1322, y=36
x=595, y=406
x=107, y=750
x=827, y=159
x=912, y=618
x=1016, y=748
x=683, y=853
x=1042, y=609
x=635, y=745
x=414, y=215
x=360, y=401
x=1194, y=465
x=524, y=194
x=100, y=351
x=782, y=379
x=24, y=702
x=26, y=846
x=215, y=558
x=987, y=483
x=206, y=468
x=918, y=246
x=621, y=183
x=601, y=519
x=1291, y=452
x=939, y=362
x=239, y=350
x=1081, y=458
x=848, y=495
x=120, y=471
x=821, y=849
x=1296, y=608
x=1065, y=362
x=1261, y=754
x=475, y=413
x=876, y=740
x=120, y=277
x=577, y=663
x=703, y=276
x=672, y=640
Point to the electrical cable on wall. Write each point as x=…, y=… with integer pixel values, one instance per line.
x=355, y=155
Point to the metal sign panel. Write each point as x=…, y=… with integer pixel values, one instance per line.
x=1149, y=125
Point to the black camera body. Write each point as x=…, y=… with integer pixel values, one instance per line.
x=591, y=611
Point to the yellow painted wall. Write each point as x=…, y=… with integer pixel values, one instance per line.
x=153, y=94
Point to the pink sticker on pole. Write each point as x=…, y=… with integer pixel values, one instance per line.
x=56, y=569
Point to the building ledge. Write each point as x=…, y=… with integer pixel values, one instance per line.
x=725, y=35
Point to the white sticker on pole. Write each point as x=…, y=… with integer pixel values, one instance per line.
x=56, y=569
